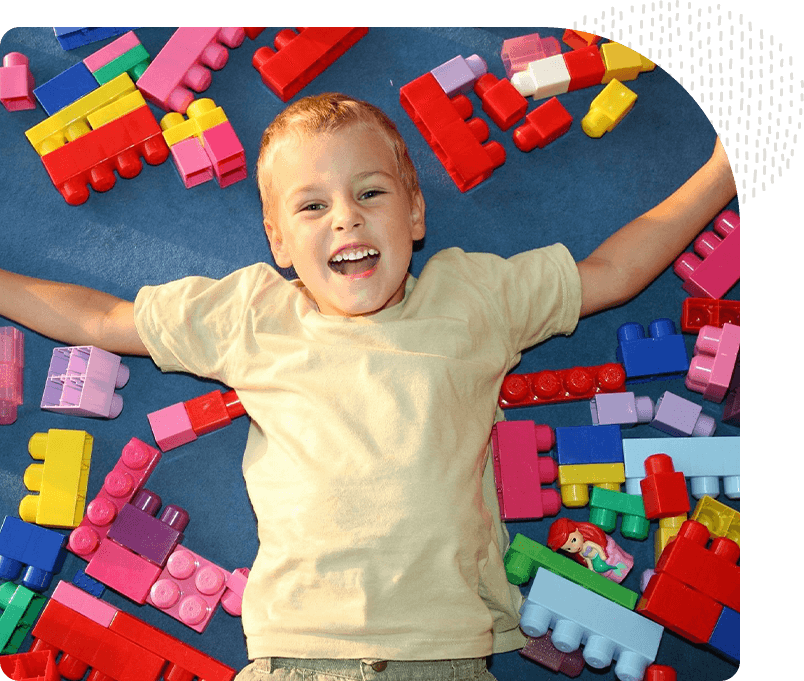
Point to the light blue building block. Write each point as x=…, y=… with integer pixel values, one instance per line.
x=578, y=616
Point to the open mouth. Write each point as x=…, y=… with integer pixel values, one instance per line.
x=353, y=262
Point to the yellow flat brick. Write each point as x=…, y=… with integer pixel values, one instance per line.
x=719, y=519
x=574, y=481
x=117, y=109
x=668, y=528
x=202, y=114
x=71, y=122
x=621, y=62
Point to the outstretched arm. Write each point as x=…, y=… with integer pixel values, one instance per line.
x=70, y=314
x=636, y=254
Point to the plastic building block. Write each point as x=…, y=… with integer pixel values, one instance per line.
x=189, y=588
x=123, y=570
x=624, y=409
x=39, y=666
x=253, y=32
x=458, y=75
x=61, y=480
x=525, y=556
x=23, y=544
x=579, y=39
x=517, y=53
x=458, y=143
x=191, y=162
x=183, y=64
x=713, y=361
x=108, y=53
x=93, y=158
x=667, y=530
x=137, y=528
x=520, y=472
x=91, y=586
x=232, y=599
x=664, y=491
x=677, y=416
x=543, y=78
x=81, y=381
x=660, y=354
x=226, y=154
x=117, y=109
x=12, y=363
x=20, y=608
x=726, y=635
x=71, y=37
x=702, y=459
x=171, y=426
x=622, y=62
x=731, y=405
x=585, y=67
x=202, y=114
x=545, y=124
x=503, y=104
x=578, y=616
x=16, y=83
x=660, y=672
x=542, y=650
x=80, y=601
x=716, y=267
x=606, y=504
x=699, y=312
x=574, y=481
x=563, y=385
x=719, y=519
x=124, y=55
x=128, y=476
x=608, y=109
x=301, y=57
x=213, y=411
x=66, y=88
x=589, y=444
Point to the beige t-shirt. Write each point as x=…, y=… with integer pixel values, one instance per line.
x=367, y=446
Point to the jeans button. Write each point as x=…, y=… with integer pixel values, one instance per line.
x=380, y=665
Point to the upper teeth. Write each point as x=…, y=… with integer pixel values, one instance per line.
x=355, y=255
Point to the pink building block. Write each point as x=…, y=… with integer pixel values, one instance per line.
x=718, y=268
x=183, y=64
x=458, y=75
x=232, y=599
x=191, y=162
x=517, y=53
x=519, y=471
x=620, y=408
x=713, y=361
x=129, y=474
x=171, y=426
x=189, y=588
x=16, y=83
x=676, y=416
x=116, y=48
x=81, y=381
x=79, y=600
x=12, y=362
x=226, y=153
x=122, y=570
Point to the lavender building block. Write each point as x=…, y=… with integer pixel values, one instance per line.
x=677, y=416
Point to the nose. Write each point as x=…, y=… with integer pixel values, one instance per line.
x=346, y=215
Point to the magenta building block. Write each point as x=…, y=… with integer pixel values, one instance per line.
x=116, y=48
x=129, y=474
x=81, y=381
x=542, y=650
x=519, y=471
x=458, y=75
x=232, y=599
x=713, y=362
x=517, y=53
x=191, y=162
x=12, y=363
x=183, y=64
x=122, y=570
x=624, y=409
x=139, y=530
x=171, y=426
x=677, y=416
x=189, y=588
x=226, y=154
x=16, y=83
x=716, y=267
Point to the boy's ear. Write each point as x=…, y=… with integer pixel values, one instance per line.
x=417, y=216
x=278, y=248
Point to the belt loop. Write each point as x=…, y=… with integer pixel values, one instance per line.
x=269, y=664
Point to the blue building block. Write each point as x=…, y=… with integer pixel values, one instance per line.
x=65, y=88
x=70, y=37
x=589, y=444
x=92, y=586
x=726, y=636
x=41, y=549
x=659, y=355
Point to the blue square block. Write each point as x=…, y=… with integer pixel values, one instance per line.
x=65, y=88
x=24, y=544
x=726, y=636
x=70, y=37
x=659, y=355
x=589, y=444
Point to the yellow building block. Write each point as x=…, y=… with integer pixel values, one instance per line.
x=202, y=114
x=608, y=109
x=61, y=481
x=719, y=519
x=71, y=122
x=574, y=481
x=668, y=528
x=622, y=62
x=117, y=109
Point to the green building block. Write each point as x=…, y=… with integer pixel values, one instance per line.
x=21, y=607
x=135, y=61
x=525, y=556
x=605, y=504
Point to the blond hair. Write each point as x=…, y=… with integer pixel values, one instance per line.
x=324, y=113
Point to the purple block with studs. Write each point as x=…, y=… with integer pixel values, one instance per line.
x=677, y=416
x=624, y=409
x=458, y=75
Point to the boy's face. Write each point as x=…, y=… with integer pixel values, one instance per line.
x=342, y=218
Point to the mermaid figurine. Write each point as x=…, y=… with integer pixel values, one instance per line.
x=590, y=546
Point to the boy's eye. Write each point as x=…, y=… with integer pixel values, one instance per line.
x=313, y=206
x=371, y=193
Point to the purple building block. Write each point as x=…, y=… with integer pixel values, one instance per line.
x=458, y=75
x=517, y=53
x=137, y=528
x=676, y=416
x=624, y=409
x=12, y=361
x=81, y=381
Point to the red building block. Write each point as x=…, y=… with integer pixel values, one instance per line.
x=213, y=411
x=585, y=66
x=93, y=158
x=664, y=491
x=545, y=124
x=718, y=268
x=302, y=56
x=699, y=312
x=39, y=666
x=660, y=672
x=579, y=39
x=564, y=385
x=252, y=33
x=456, y=142
x=501, y=100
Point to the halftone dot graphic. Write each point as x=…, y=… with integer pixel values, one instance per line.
x=736, y=70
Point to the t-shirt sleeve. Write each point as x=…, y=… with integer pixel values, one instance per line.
x=193, y=324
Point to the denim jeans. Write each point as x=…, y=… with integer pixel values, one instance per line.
x=288, y=669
